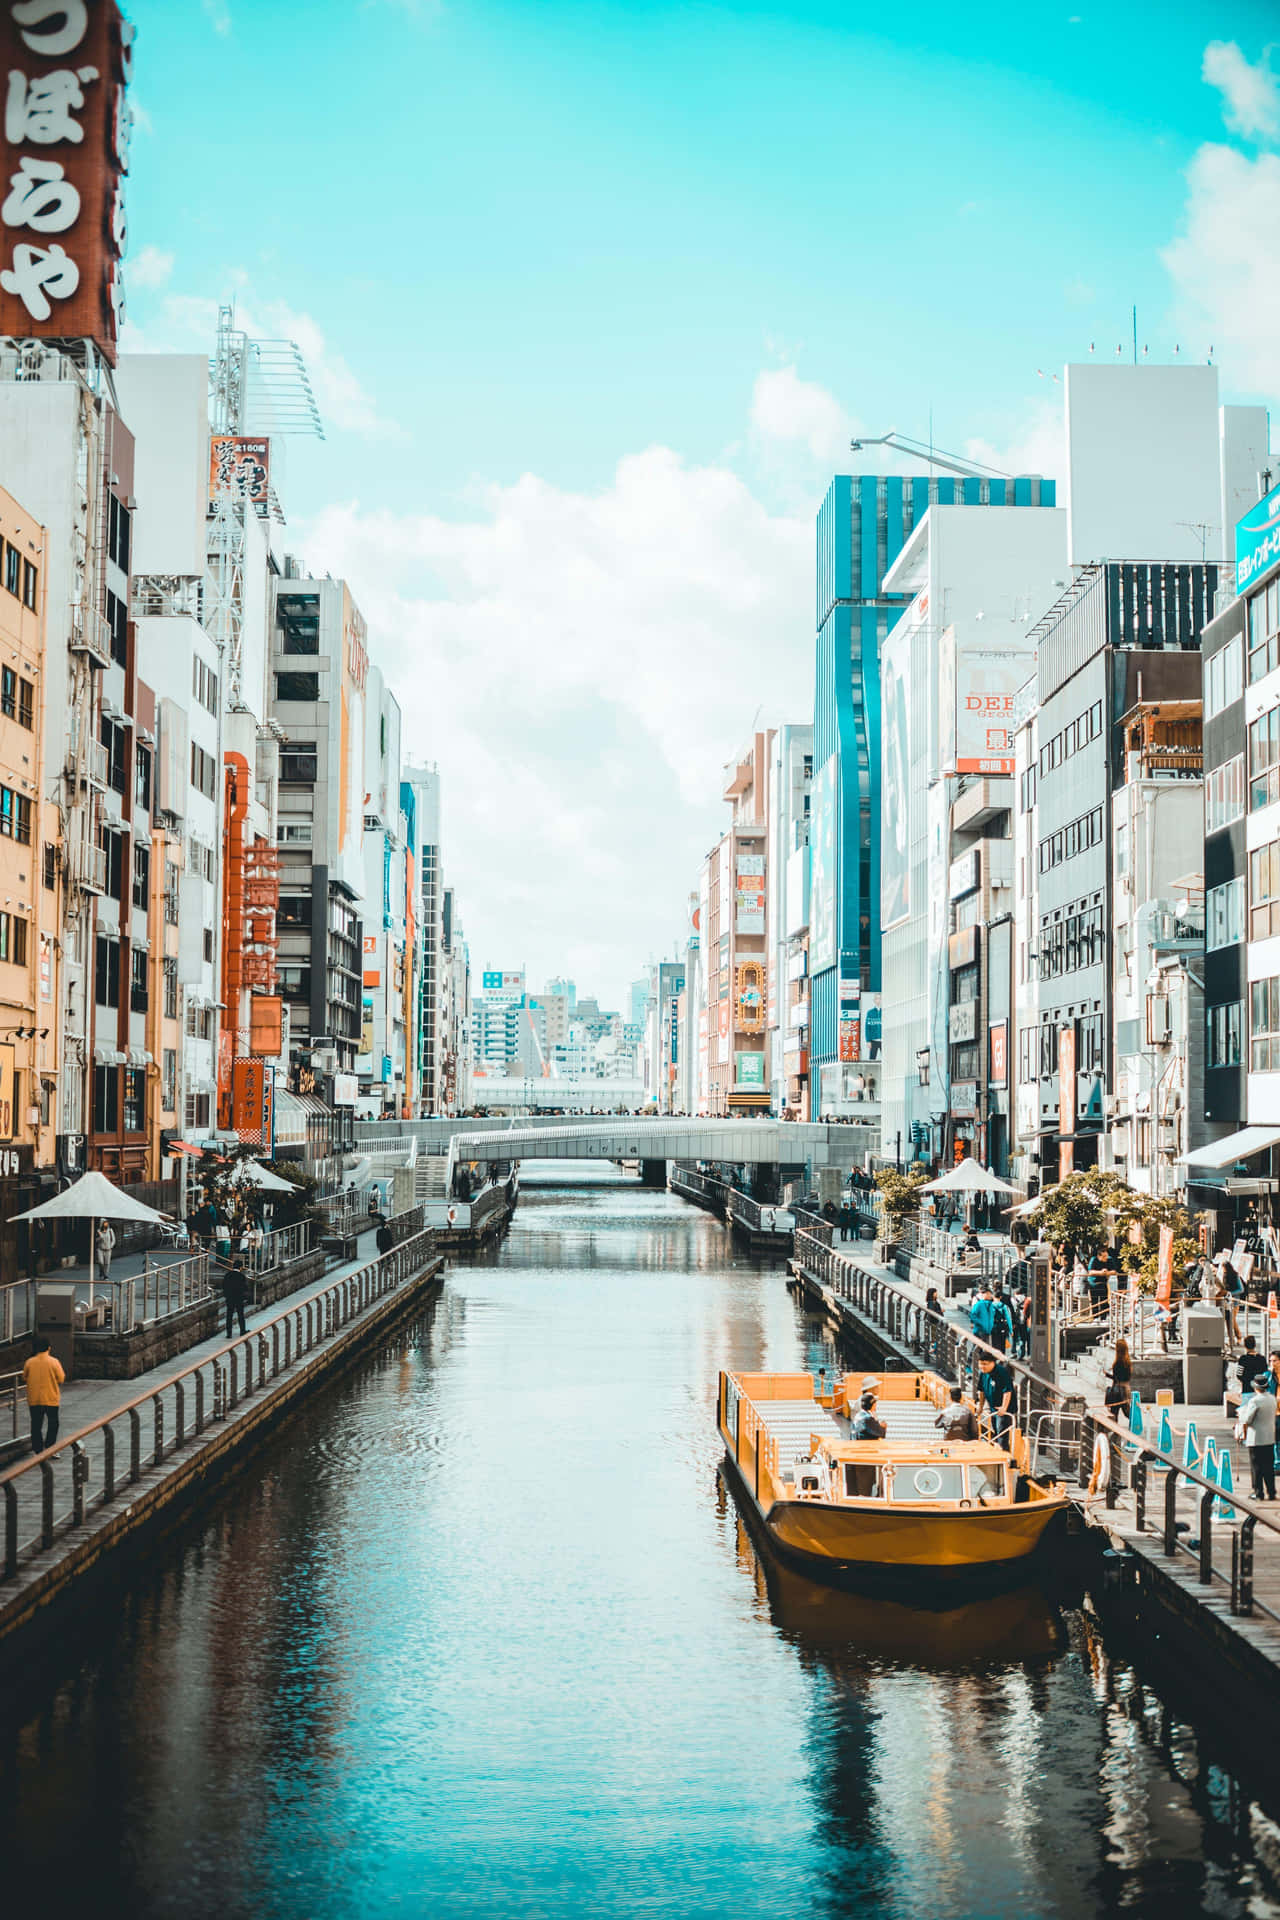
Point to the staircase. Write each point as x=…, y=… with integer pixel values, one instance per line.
x=430, y=1178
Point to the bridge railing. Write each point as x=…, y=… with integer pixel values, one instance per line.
x=1051, y=1421
x=48, y=1495
x=761, y=1216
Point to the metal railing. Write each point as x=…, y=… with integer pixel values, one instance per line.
x=278, y=1247
x=760, y=1216
x=690, y=1180
x=140, y=1299
x=1039, y=1404
x=99, y=1464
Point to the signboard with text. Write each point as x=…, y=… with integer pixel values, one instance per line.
x=62, y=224
x=1258, y=541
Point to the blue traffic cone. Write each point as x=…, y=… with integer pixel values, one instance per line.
x=1223, y=1508
x=1165, y=1442
x=1190, y=1448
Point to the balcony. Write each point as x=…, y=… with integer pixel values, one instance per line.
x=1164, y=742
x=90, y=635
x=981, y=803
x=89, y=868
x=1177, y=932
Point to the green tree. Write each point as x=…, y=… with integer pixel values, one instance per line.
x=1087, y=1209
x=901, y=1197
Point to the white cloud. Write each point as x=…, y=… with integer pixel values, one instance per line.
x=219, y=16
x=1225, y=266
x=187, y=323
x=1036, y=444
x=581, y=666
x=150, y=268
x=1250, y=95
x=787, y=409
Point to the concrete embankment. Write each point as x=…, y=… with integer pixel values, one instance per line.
x=68, y=1516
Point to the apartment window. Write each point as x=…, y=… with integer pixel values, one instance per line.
x=1223, y=1035
x=13, y=571
x=15, y=816
x=118, y=621
x=1264, y=760
x=141, y=877
x=169, y=1080
x=204, y=684
x=1224, y=794
x=50, y=866
x=106, y=973
x=106, y=1099
x=138, y=995
x=26, y=705
x=116, y=741
x=170, y=976
x=197, y=1113
x=1224, y=914
x=302, y=688
x=200, y=1022
x=135, y=1100
x=294, y=835
x=118, y=529
x=1027, y=1053
x=208, y=943
x=30, y=594
x=112, y=845
x=1223, y=677
x=170, y=894
x=298, y=766
x=13, y=939
x=1089, y=1043
x=1264, y=1028
x=1142, y=1140
x=204, y=769
x=1264, y=631
x=298, y=616
x=9, y=693
x=142, y=779
x=1029, y=789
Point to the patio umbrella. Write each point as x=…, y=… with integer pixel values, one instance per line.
x=968, y=1177
x=252, y=1173
x=92, y=1197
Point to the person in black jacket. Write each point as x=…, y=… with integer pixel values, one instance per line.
x=235, y=1287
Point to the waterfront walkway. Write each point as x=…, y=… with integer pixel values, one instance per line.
x=151, y=1437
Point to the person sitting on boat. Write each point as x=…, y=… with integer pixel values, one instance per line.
x=865, y=1424
x=958, y=1420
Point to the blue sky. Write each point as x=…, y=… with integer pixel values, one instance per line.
x=526, y=245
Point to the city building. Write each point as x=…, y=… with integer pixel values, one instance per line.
x=863, y=524
x=734, y=1063
x=787, y=916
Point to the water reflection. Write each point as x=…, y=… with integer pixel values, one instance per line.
x=482, y=1633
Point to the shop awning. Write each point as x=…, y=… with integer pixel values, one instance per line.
x=1236, y=1146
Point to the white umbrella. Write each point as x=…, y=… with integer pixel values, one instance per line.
x=252, y=1173
x=968, y=1177
x=92, y=1197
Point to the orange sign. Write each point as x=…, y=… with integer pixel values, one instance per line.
x=998, y=1043
x=251, y=1088
x=62, y=227
x=242, y=466
x=1164, y=1270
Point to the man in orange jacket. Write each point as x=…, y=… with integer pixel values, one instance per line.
x=43, y=1377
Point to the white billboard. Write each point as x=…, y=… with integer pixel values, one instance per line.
x=822, y=868
x=895, y=797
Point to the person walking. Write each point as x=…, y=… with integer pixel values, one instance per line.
x=42, y=1377
x=234, y=1291
x=1119, y=1381
x=103, y=1247
x=384, y=1239
x=1257, y=1429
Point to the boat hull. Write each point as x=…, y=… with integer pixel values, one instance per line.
x=862, y=1547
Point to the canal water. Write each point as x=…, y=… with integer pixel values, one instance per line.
x=483, y=1635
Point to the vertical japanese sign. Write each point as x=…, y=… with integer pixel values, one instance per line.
x=1164, y=1269
x=241, y=466
x=66, y=145
x=1066, y=1098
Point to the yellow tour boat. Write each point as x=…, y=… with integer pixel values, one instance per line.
x=909, y=1507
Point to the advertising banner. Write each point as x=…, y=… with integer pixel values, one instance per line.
x=748, y=905
x=748, y=1070
x=998, y=1053
x=895, y=804
x=1164, y=1268
x=985, y=683
x=8, y=1056
x=66, y=124
x=822, y=868
x=241, y=466
x=850, y=1037
x=252, y=1085
x=1258, y=541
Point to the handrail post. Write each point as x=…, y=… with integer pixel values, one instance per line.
x=1140, y=1493
x=1242, y=1566
x=158, y=1403
x=108, y=1463
x=135, y=1444
x=179, y=1415
x=200, y=1400
x=46, y=1503
x=1171, y=1511
x=10, y=1530
x=1207, y=1499
x=79, y=1475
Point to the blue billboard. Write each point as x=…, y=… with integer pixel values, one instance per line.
x=1258, y=541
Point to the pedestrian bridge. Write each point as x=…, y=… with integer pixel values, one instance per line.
x=741, y=1142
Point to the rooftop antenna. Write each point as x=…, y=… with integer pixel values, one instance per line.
x=1204, y=528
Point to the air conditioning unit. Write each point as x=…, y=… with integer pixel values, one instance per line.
x=1111, y=1103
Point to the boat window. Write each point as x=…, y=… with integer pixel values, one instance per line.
x=932, y=1482
x=987, y=1482
x=862, y=1482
